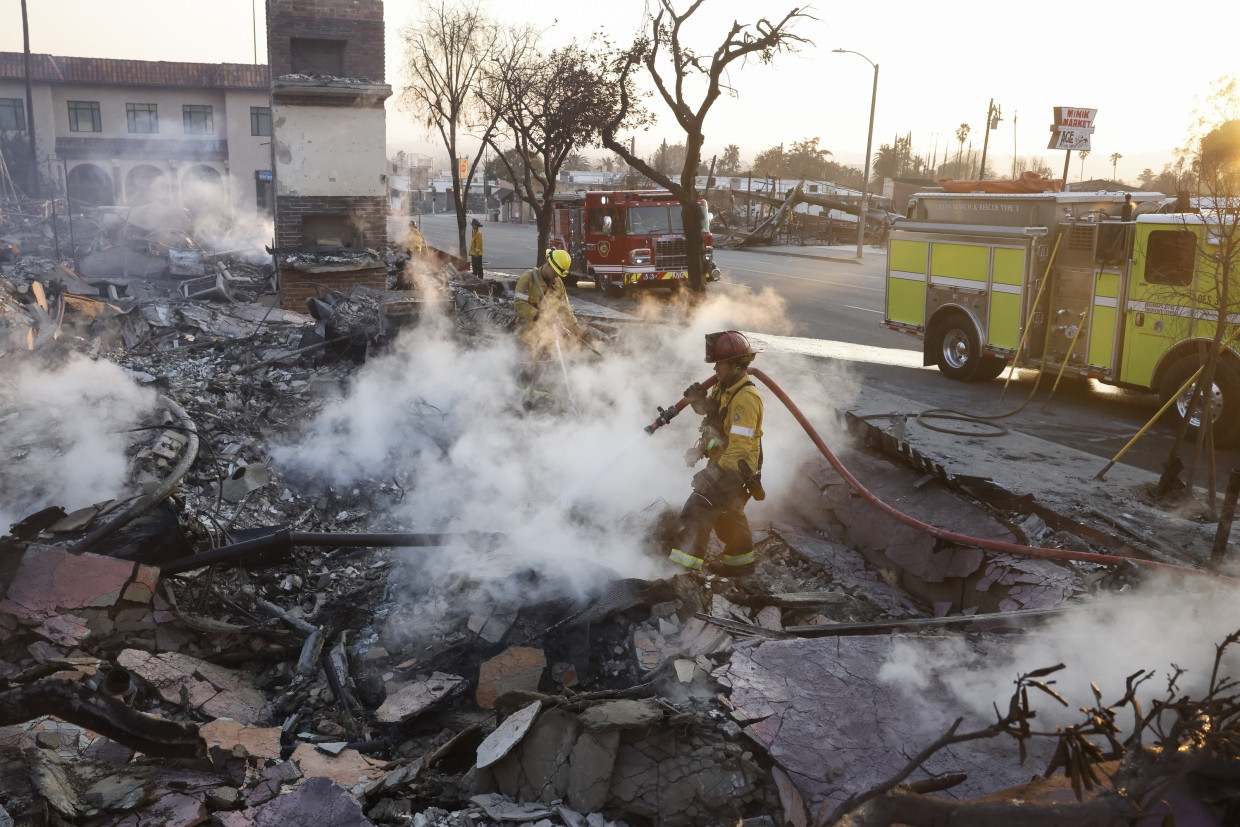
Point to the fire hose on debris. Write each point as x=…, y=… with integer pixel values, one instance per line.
x=666, y=415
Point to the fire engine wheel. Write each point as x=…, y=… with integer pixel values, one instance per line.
x=1222, y=401
x=957, y=351
x=606, y=286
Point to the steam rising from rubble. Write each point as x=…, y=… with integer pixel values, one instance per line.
x=572, y=491
x=1168, y=621
x=62, y=434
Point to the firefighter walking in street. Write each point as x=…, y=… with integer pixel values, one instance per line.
x=475, y=249
x=731, y=443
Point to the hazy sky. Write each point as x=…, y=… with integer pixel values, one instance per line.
x=1140, y=64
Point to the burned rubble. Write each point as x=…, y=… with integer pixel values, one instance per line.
x=227, y=631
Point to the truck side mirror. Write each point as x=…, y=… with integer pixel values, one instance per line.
x=607, y=224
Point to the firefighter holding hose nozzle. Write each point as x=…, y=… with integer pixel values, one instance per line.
x=731, y=443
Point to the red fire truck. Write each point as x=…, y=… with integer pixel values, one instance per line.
x=629, y=239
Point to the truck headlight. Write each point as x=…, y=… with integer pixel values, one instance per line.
x=641, y=256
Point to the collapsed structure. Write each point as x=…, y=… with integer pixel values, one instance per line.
x=283, y=553
x=282, y=615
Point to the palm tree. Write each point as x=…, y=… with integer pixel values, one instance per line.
x=962, y=132
x=1115, y=156
x=1084, y=153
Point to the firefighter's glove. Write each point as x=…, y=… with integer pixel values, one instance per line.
x=705, y=406
x=694, y=391
x=694, y=454
x=752, y=481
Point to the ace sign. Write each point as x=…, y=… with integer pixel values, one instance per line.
x=1072, y=128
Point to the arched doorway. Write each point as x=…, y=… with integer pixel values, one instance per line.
x=202, y=190
x=145, y=184
x=89, y=185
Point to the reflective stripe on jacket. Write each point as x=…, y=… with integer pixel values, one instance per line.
x=740, y=417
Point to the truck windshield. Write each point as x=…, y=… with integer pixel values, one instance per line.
x=652, y=220
x=661, y=219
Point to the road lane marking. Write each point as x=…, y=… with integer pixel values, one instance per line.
x=866, y=309
x=805, y=278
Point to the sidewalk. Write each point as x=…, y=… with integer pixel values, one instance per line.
x=1061, y=479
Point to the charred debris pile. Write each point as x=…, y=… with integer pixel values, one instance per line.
x=302, y=676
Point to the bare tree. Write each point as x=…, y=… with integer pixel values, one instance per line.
x=445, y=54
x=672, y=64
x=1214, y=399
x=550, y=105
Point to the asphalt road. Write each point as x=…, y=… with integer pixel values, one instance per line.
x=835, y=307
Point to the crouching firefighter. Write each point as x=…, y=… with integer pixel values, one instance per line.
x=731, y=443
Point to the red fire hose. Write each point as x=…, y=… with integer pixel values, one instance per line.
x=666, y=415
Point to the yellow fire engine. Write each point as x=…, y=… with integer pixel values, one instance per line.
x=1051, y=280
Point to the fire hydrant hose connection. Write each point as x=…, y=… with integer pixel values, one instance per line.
x=666, y=415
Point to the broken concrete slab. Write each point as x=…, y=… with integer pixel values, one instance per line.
x=788, y=695
x=502, y=808
x=590, y=768
x=235, y=739
x=203, y=687
x=411, y=699
x=245, y=479
x=544, y=756
x=49, y=579
x=684, y=775
x=621, y=714
x=507, y=735
x=347, y=767
x=518, y=669
x=316, y=801
x=492, y=624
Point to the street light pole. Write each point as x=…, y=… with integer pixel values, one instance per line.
x=869, y=142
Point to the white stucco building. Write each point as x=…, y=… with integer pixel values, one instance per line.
x=133, y=132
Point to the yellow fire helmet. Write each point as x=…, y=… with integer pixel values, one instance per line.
x=560, y=261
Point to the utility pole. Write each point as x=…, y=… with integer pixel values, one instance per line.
x=992, y=122
x=34, y=158
x=1014, y=171
x=869, y=141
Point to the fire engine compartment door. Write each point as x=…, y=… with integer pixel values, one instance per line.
x=908, y=261
x=1163, y=297
x=933, y=265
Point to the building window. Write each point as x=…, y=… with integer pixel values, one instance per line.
x=260, y=120
x=142, y=117
x=197, y=118
x=84, y=116
x=12, y=115
x=317, y=57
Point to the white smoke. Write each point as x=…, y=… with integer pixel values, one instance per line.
x=569, y=483
x=1170, y=621
x=63, y=434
